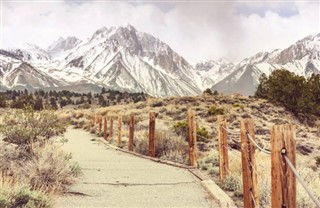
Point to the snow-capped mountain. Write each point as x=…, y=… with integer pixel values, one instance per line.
x=302, y=58
x=15, y=73
x=59, y=49
x=126, y=59
x=31, y=53
x=211, y=72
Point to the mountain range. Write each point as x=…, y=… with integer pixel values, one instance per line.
x=125, y=59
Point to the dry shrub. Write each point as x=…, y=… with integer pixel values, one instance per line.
x=312, y=180
x=210, y=161
x=137, y=119
x=169, y=146
x=49, y=170
x=23, y=196
x=233, y=182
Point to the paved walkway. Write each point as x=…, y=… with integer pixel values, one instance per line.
x=115, y=179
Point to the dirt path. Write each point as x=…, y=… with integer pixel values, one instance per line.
x=116, y=179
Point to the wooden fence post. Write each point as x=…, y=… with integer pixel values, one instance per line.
x=192, y=138
x=105, y=126
x=93, y=120
x=223, y=148
x=283, y=182
x=119, y=129
x=100, y=124
x=131, y=132
x=111, y=129
x=249, y=174
x=152, y=124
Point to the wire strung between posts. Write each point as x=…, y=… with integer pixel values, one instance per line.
x=255, y=144
x=231, y=151
x=260, y=177
x=205, y=124
x=304, y=185
x=201, y=137
x=229, y=131
x=254, y=201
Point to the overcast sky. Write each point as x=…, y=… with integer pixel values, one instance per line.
x=197, y=30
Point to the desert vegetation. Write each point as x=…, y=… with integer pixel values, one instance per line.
x=171, y=136
x=33, y=168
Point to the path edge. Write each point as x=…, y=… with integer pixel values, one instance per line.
x=211, y=187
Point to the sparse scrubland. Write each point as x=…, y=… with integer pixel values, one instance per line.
x=28, y=143
x=171, y=136
x=33, y=168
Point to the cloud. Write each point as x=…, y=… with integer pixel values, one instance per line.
x=196, y=30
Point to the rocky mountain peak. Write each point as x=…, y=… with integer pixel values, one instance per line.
x=61, y=47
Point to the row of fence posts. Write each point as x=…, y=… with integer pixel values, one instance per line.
x=152, y=122
x=283, y=181
x=282, y=142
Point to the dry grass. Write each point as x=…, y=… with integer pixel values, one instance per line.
x=23, y=196
x=48, y=170
x=171, y=110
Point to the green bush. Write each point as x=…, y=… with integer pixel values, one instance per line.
x=238, y=106
x=23, y=197
x=181, y=128
x=202, y=134
x=294, y=92
x=213, y=111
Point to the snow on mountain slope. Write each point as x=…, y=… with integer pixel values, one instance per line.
x=302, y=58
x=59, y=49
x=31, y=53
x=123, y=58
x=211, y=72
x=126, y=59
x=17, y=74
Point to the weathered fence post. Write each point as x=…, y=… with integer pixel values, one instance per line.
x=283, y=182
x=96, y=119
x=249, y=174
x=223, y=148
x=119, y=129
x=152, y=124
x=93, y=120
x=192, y=138
x=105, y=126
x=131, y=132
x=111, y=129
x=100, y=124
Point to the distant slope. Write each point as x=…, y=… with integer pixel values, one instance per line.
x=302, y=58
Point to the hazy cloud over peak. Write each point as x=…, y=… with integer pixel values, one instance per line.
x=196, y=30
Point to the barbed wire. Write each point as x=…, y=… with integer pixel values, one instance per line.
x=255, y=144
x=304, y=185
